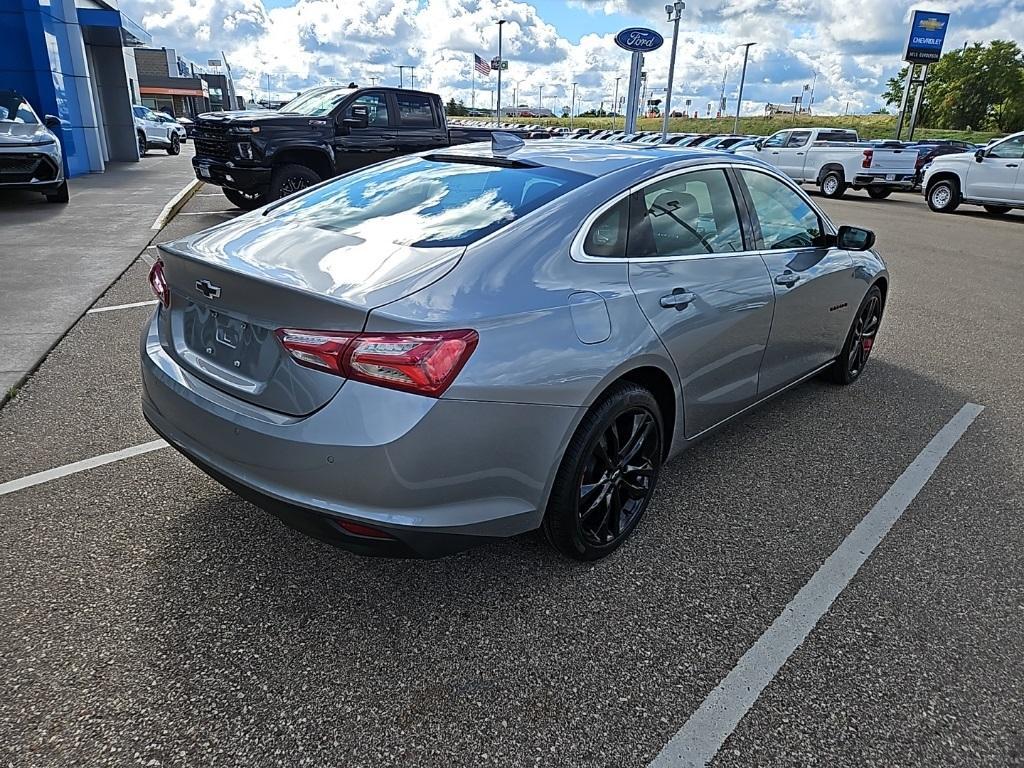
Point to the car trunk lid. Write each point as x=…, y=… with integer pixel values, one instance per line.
x=234, y=285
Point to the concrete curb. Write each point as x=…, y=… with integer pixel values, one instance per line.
x=175, y=204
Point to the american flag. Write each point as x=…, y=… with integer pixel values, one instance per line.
x=481, y=66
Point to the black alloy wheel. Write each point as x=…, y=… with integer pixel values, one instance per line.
x=142, y=144
x=616, y=480
x=175, y=147
x=607, y=476
x=288, y=179
x=861, y=340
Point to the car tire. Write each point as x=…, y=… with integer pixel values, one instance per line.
x=175, y=148
x=596, y=475
x=944, y=196
x=878, y=193
x=142, y=144
x=60, y=194
x=832, y=185
x=288, y=179
x=997, y=210
x=860, y=340
x=247, y=201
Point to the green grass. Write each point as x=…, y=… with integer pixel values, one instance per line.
x=867, y=126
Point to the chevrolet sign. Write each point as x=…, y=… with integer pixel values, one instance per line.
x=927, y=34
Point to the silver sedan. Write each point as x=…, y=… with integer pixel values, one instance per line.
x=472, y=343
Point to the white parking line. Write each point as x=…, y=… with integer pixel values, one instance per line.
x=700, y=738
x=79, y=466
x=121, y=306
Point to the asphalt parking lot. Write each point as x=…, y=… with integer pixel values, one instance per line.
x=150, y=617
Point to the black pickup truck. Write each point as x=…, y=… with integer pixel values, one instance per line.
x=257, y=156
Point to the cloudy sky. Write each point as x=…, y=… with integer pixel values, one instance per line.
x=853, y=46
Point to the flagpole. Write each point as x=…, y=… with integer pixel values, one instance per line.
x=472, y=98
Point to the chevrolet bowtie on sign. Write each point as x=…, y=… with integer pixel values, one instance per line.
x=927, y=34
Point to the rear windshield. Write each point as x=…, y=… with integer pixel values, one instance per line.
x=837, y=135
x=419, y=202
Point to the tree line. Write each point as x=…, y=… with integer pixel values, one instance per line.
x=976, y=87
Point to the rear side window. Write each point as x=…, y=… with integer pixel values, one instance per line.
x=420, y=202
x=414, y=111
x=607, y=235
x=786, y=220
x=690, y=214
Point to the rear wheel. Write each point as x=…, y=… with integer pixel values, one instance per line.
x=878, y=193
x=142, y=143
x=291, y=178
x=175, y=147
x=860, y=341
x=944, y=196
x=607, y=475
x=997, y=210
x=247, y=201
x=60, y=194
x=832, y=184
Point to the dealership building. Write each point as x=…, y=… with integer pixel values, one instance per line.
x=75, y=59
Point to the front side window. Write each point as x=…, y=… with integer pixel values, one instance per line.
x=690, y=214
x=414, y=110
x=798, y=138
x=422, y=202
x=778, y=140
x=377, y=105
x=786, y=220
x=1012, y=149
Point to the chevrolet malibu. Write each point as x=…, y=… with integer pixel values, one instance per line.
x=466, y=345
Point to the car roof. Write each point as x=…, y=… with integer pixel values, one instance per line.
x=597, y=159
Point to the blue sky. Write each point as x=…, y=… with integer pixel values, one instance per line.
x=848, y=50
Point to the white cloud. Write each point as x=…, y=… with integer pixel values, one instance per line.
x=853, y=47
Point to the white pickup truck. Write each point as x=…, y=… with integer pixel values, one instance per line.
x=836, y=160
x=992, y=177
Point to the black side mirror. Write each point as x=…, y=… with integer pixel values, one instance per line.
x=52, y=122
x=855, y=238
x=759, y=145
x=358, y=117
x=979, y=155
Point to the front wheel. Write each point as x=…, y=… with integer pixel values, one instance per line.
x=60, y=194
x=607, y=475
x=288, y=179
x=860, y=341
x=247, y=201
x=943, y=197
x=175, y=147
x=142, y=144
x=997, y=210
x=878, y=193
x=832, y=185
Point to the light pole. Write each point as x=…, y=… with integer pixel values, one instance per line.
x=739, y=98
x=675, y=12
x=572, y=104
x=540, y=99
x=501, y=23
x=615, y=100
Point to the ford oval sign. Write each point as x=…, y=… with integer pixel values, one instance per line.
x=639, y=40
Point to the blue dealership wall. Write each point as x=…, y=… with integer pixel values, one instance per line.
x=44, y=58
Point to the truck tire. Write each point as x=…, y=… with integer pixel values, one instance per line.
x=878, y=193
x=247, y=201
x=997, y=210
x=944, y=196
x=287, y=179
x=832, y=185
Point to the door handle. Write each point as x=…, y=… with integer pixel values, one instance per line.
x=799, y=153
x=1012, y=165
x=788, y=279
x=680, y=298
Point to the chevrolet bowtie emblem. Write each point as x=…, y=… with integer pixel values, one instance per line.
x=208, y=289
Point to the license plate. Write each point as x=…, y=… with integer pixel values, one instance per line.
x=204, y=171
x=890, y=177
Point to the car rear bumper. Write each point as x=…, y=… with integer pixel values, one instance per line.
x=437, y=476
x=227, y=174
x=907, y=181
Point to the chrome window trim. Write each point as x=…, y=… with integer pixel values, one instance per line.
x=577, y=253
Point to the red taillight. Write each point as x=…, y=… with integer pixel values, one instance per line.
x=423, y=363
x=868, y=155
x=158, y=283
